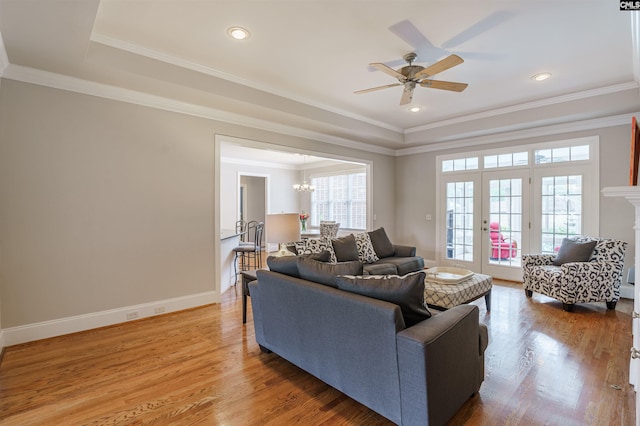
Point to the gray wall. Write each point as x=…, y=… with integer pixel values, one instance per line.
x=105, y=204
x=416, y=190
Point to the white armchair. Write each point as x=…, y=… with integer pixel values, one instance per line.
x=597, y=280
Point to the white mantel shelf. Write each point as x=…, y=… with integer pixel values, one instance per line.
x=631, y=193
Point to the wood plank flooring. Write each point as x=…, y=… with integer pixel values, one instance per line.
x=202, y=366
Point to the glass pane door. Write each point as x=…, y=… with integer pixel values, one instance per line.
x=459, y=214
x=505, y=222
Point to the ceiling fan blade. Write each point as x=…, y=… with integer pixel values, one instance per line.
x=373, y=89
x=407, y=96
x=443, y=65
x=393, y=73
x=485, y=24
x=408, y=32
x=444, y=85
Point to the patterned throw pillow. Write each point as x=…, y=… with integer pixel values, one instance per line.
x=366, y=253
x=315, y=245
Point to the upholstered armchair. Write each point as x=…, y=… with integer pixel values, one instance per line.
x=329, y=229
x=595, y=279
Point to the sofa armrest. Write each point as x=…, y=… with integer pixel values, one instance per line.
x=404, y=251
x=439, y=362
x=531, y=260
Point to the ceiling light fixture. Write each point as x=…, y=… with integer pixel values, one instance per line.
x=415, y=108
x=304, y=187
x=541, y=77
x=238, y=33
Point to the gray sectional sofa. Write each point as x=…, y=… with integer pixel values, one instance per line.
x=374, y=249
x=395, y=357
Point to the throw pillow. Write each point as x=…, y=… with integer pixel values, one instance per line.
x=381, y=243
x=366, y=253
x=325, y=273
x=345, y=248
x=315, y=245
x=574, y=251
x=405, y=291
x=288, y=265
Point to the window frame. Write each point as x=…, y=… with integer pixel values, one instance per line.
x=315, y=219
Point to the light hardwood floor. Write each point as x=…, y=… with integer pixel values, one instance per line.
x=202, y=366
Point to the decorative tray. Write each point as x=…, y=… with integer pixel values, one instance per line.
x=447, y=275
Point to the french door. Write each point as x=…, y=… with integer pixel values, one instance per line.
x=486, y=222
x=505, y=222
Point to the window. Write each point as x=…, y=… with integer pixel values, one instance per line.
x=561, y=210
x=460, y=220
x=458, y=164
x=506, y=160
x=342, y=198
x=562, y=154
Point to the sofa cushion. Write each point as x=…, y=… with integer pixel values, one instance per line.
x=315, y=245
x=366, y=253
x=325, y=273
x=405, y=265
x=574, y=251
x=381, y=243
x=288, y=265
x=380, y=268
x=345, y=248
x=405, y=291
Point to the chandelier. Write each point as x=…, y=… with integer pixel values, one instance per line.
x=304, y=187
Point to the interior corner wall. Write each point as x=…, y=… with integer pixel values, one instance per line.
x=106, y=204
x=416, y=189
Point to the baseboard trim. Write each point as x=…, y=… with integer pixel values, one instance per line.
x=2, y=345
x=43, y=330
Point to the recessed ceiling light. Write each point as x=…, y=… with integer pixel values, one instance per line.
x=238, y=33
x=541, y=77
x=415, y=108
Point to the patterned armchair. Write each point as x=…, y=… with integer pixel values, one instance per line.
x=597, y=280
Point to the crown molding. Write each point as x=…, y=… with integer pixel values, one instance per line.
x=169, y=59
x=73, y=84
x=576, y=126
x=528, y=105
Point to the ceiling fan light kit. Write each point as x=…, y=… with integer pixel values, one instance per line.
x=411, y=76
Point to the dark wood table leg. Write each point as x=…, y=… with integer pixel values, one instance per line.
x=245, y=292
x=487, y=300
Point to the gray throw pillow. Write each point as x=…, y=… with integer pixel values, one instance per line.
x=325, y=273
x=288, y=265
x=345, y=248
x=405, y=291
x=574, y=251
x=381, y=243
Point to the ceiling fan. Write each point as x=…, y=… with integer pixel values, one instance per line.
x=411, y=75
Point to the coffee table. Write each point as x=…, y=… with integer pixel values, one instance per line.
x=445, y=296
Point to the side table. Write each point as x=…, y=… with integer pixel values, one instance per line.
x=247, y=277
